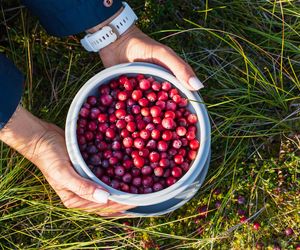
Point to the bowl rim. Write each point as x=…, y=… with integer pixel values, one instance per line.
x=147, y=69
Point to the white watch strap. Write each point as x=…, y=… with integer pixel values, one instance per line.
x=110, y=33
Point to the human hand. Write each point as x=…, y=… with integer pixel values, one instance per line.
x=44, y=145
x=135, y=46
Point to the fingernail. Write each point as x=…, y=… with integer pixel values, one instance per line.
x=101, y=196
x=195, y=83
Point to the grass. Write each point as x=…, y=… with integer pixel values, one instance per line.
x=247, y=53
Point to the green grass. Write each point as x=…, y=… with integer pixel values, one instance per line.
x=247, y=53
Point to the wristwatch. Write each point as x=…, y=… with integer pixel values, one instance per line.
x=111, y=32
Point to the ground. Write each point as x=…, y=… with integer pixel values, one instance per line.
x=247, y=53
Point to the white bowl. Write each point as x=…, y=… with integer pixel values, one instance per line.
x=195, y=105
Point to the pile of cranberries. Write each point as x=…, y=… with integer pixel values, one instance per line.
x=137, y=134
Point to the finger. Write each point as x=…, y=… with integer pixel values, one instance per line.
x=71, y=200
x=167, y=58
x=89, y=190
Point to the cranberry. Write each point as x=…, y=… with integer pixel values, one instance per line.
x=289, y=231
x=123, y=95
x=127, y=142
x=120, y=113
x=181, y=131
x=156, y=86
x=177, y=144
x=145, y=134
x=154, y=156
x=168, y=123
x=131, y=126
x=176, y=98
x=170, y=114
x=190, y=135
x=127, y=178
x=106, y=100
x=243, y=219
x=147, y=181
x=92, y=100
x=147, y=170
x=176, y=172
x=128, y=85
x=143, y=102
x=115, y=184
x=194, y=144
x=139, y=143
x=158, y=171
x=120, y=124
x=136, y=109
x=89, y=135
x=166, y=86
x=137, y=181
x=128, y=164
x=152, y=97
x=192, y=119
x=124, y=187
x=155, y=134
x=170, y=181
x=162, y=96
x=162, y=146
x=150, y=126
x=155, y=111
x=124, y=133
x=120, y=171
x=138, y=162
x=164, y=163
x=167, y=135
x=157, y=187
x=145, y=84
x=110, y=133
x=136, y=95
x=256, y=226
x=135, y=171
x=84, y=112
x=192, y=154
x=145, y=111
x=178, y=159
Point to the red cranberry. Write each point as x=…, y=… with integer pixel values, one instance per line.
x=171, y=105
x=148, y=190
x=123, y=95
x=152, y=97
x=289, y=231
x=154, y=156
x=115, y=184
x=89, y=135
x=170, y=181
x=131, y=126
x=155, y=134
x=136, y=109
x=161, y=104
x=170, y=114
x=167, y=135
x=145, y=84
x=120, y=105
x=178, y=159
x=124, y=187
x=166, y=86
x=145, y=111
x=150, y=126
x=176, y=98
x=176, y=172
x=162, y=96
x=127, y=142
x=158, y=171
x=256, y=226
x=128, y=164
x=124, y=133
x=138, y=162
x=143, y=102
x=177, y=144
x=137, y=95
x=128, y=85
x=120, y=124
x=141, y=124
x=135, y=171
x=139, y=143
x=164, y=163
x=145, y=134
x=92, y=100
x=192, y=154
x=190, y=135
x=123, y=79
x=162, y=146
x=194, y=144
x=192, y=119
x=243, y=219
x=120, y=113
x=110, y=133
x=113, y=160
x=168, y=123
x=181, y=131
x=155, y=111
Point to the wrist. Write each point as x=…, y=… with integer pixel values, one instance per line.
x=23, y=132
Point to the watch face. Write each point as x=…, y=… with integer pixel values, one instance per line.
x=108, y=3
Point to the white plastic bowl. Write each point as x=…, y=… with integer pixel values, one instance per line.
x=195, y=105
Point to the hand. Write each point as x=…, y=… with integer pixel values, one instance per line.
x=135, y=46
x=44, y=145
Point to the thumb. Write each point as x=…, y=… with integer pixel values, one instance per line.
x=86, y=189
x=167, y=58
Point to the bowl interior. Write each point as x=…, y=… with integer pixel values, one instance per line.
x=195, y=105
